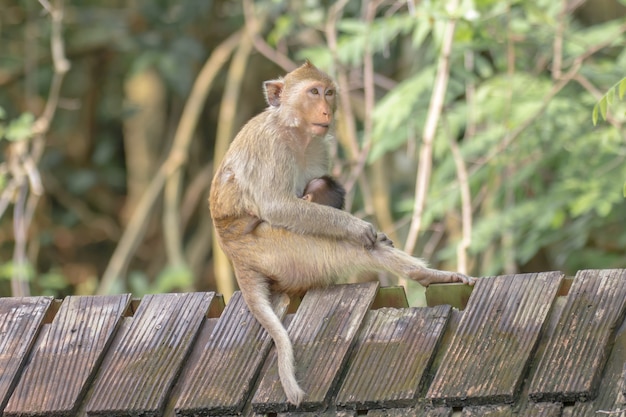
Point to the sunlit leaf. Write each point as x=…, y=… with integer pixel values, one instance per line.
x=603, y=106
x=608, y=99
x=20, y=128
x=8, y=270
x=610, y=95
x=283, y=25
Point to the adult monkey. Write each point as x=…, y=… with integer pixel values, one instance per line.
x=298, y=245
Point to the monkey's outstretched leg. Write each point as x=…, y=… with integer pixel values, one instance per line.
x=256, y=293
x=400, y=263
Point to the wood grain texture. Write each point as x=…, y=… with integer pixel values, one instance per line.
x=326, y=413
x=20, y=321
x=226, y=366
x=395, y=349
x=412, y=412
x=542, y=410
x=573, y=361
x=610, y=398
x=322, y=332
x=146, y=358
x=498, y=332
x=487, y=411
x=66, y=355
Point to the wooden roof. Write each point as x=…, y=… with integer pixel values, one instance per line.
x=529, y=345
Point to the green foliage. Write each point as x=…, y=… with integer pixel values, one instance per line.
x=18, y=129
x=394, y=113
x=607, y=99
x=10, y=269
x=171, y=278
x=547, y=178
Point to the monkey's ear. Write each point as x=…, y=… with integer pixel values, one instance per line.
x=273, y=90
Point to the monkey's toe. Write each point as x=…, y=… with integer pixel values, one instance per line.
x=464, y=279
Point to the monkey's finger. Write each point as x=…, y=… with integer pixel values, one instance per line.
x=371, y=237
x=383, y=239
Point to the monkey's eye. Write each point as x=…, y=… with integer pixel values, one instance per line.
x=314, y=91
x=330, y=93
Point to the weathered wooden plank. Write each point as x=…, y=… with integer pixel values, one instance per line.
x=586, y=410
x=412, y=412
x=20, y=321
x=394, y=350
x=487, y=411
x=541, y=410
x=610, y=399
x=144, y=361
x=326, y=413
x=322, y=332
x=70, y=349
x=226, y=366
x=505, y=314
x=572, y=363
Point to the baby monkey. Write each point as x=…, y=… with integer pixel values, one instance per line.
x=324, y=190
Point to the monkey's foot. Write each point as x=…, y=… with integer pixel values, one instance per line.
x=427, y=276
x=459, y=277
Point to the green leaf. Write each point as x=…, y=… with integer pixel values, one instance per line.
x=3, y=113
x=608, y=98
x=603, y=105
x=20, y=128
x=53, y=280
x=174, y=277
x=10, y=269
x=283, y=26
x=610, y=95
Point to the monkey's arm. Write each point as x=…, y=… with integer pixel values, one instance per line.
x=299, y=216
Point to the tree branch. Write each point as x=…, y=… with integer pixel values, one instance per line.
x=177, y=157
x=430, y=129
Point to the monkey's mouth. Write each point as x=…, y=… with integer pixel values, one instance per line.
x=319, y=129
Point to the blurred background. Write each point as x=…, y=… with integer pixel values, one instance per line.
x=466, y=131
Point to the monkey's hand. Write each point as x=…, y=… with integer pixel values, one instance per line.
x=366, y=234
x=382, y=239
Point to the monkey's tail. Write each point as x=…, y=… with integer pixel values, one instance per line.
x=257, y=296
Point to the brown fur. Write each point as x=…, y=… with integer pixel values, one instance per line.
x=298, y=245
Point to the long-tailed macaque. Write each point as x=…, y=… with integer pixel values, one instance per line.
x=298, y=245
x=323, y=190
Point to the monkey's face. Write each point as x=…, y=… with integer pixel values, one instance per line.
x=318, y=104
x=305, y=99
